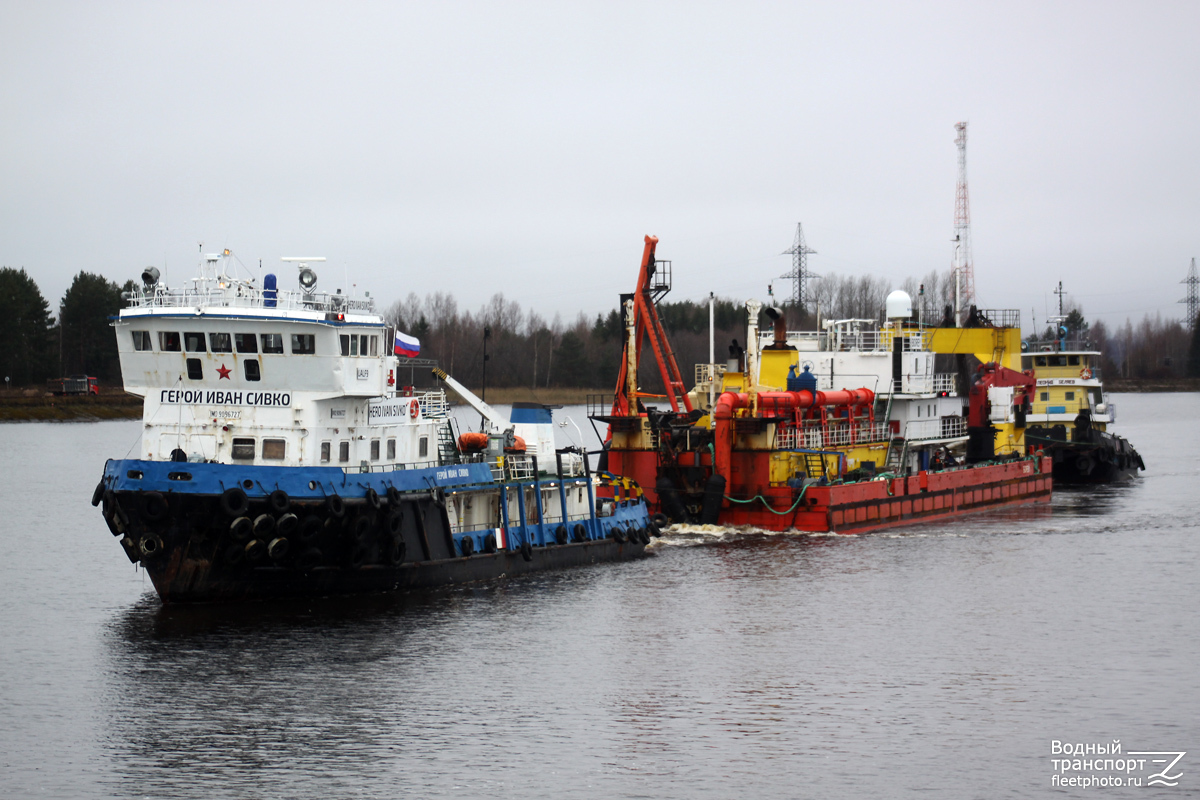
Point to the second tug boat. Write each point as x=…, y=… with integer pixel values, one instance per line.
x=277, y=457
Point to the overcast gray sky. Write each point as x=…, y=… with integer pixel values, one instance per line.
x=527, y=147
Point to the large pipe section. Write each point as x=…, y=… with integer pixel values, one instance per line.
x=729, y=402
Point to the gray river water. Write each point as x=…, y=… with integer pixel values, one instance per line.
x=934, y=661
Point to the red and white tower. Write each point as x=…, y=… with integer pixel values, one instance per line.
x=964, y=268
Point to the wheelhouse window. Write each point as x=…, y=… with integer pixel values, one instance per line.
x=243, y=449
x=424, y=447
x=391, y=449
x=343, y=452
x=195, y=369
x=272, y=342
x=220, y=343
x=325, y=452
x=374, y=449
x=1073, y=361
x=168, y=341
x=274, y=449
x=1040, y=361
x=251, y=370
x=245, y=342
x=345, y=342
x=193, y=342
x=304, y=344
x=1058, y=361
x=141, y=340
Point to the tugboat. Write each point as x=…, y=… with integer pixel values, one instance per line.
x=846, y=429
x=278, y=458
x=1070, y=415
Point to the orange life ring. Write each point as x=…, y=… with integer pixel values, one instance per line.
x=1085, y=373
x=414, y=408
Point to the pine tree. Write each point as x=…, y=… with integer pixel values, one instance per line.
x=25, y=330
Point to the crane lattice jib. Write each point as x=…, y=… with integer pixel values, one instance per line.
x=651, y=286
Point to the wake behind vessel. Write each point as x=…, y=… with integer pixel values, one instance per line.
x=278, y=457
x=844, y=429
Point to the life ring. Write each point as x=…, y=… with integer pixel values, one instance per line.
x=373, y=498
x=414, y=409
x=311, y=528
x=336, y=505
x=241, y=528
x=581, y=534
x=489, y=543
x=287, y=524
x=154, y=507
x=560, y=534
x=279, y=501
x=255, y=549
x=527, y=551
x=98, y=495
x=277, y=550
x=234, y=502
x=1085, y=373
x=264, y=526
x=467, y=545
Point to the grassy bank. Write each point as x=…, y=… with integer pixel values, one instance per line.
x=35, y=405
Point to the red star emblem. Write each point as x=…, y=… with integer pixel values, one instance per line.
x=224, y=371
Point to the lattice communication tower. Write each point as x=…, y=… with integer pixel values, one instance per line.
x=1193, y=295
x=799, y=274
x=964, y=267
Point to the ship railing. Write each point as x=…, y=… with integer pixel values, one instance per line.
x=519, y=468
x=928, y=384
x=240, y=294
x=816, y=436
x=941, y=428
x=433, y=404
x=710, y=373
x=998, y=318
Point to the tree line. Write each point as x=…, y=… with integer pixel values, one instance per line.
x=36, y=345
x=525, y=348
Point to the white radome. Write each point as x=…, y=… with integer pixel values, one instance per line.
x=898, y=305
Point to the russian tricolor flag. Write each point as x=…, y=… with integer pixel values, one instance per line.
x=407, y=346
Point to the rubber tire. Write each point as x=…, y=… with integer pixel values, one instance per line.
x=467, y=546
x=489, y=543
x=234, y=554
x=154, y=507
x=373, y=498
x=287, y=524
x=255, y=550
x=234, y=502
x=264, y=526
x=336, y=506
x=527, y=551
x=560, y=534
x=310, y=558
x=396, y=552
x=98, y=495
x=241, y=528
x=581, y=534
x=661, y=521
x=618, y=534
x=279, y=501
x=278, y=549
x=395, y=522
x=357, y=557
x=361, y=528
x=393, y=495
x=310, y=528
